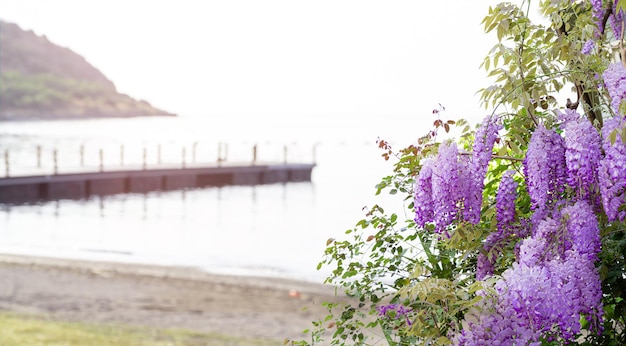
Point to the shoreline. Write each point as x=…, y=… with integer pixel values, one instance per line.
x=159, y=271
x=161, y=297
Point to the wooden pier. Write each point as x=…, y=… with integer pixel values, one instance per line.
x=30, y=189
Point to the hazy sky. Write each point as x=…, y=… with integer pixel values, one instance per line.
x=336, y=59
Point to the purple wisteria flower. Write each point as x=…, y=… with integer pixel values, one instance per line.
x=544, y=168
x=446, y=186
x=588, y=47
x=598, y=11
x=452, y=184
x=612, y=170
x=567, y=116
x=551, y=297
x=495, y=322
x=547, y=290
x=505, y=201
x=615, y=83
x=423, y=193
x=532, y=300
x=482, y=151
x=535, y=250
x=616, y=21
x=505, y=216
x=395, y=311
x=484, y=266
x=582, y=157
x=582, y=229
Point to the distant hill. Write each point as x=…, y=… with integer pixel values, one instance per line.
x=40, y=80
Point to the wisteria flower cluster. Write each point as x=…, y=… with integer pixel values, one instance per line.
x=485, y=138
x=615, y=83
x=547, y=290
x=450, y=186
x=545, y=171
x=446, y=186
x=582, y=157
x=615, y=16
x=395, y=312
x=505, y=217
x=612, y=169
x=616, y=21
x=598, y=11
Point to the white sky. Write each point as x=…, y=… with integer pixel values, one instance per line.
x=290, y=59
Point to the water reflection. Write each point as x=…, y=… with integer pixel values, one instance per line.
x=224, y=229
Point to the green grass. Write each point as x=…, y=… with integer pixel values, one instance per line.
x=31, y=330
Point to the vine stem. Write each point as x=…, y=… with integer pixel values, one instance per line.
x=521, y=64
x=622, y=51
x=510, y=158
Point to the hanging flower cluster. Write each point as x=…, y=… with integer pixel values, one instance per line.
x=505, y=217
x=446, y=186
x=395, y=312
x=615, y=16
x=544, y=293
x=615, y=83
x=545, y=171
x=486, y=136
x=423, y=204
x=582, y=157
x=612, y=169
x=450, y=186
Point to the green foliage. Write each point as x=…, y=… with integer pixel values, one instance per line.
x=539, y=61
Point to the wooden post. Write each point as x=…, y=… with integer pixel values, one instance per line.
x=39, y=156
x=101, y=154
x=219, y=153
x=285, y=154
x=193, y=152
x=145, y=157
x=184, y=154
x=55, y=161
x=254, y=154
x=6, y=162
x=159, y=153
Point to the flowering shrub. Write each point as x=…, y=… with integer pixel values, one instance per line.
x=514, y=234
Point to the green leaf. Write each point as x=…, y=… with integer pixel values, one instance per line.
x=621, y=5
x=613, y=136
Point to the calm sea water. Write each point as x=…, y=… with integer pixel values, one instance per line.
x=268, y=230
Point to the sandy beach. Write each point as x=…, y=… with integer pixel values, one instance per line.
x=161, y=297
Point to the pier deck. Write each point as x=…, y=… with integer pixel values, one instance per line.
x=29, y=189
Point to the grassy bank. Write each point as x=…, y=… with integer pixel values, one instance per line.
x=32, y=330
